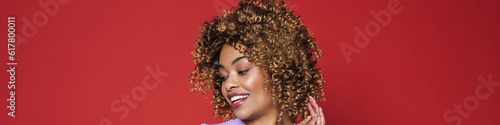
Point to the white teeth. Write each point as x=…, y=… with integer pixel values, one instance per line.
x=234, y=98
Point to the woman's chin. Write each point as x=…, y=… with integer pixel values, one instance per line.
x=243, y=115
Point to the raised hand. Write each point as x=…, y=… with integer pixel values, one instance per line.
x=317, y=117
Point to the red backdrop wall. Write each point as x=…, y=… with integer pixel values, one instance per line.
x=128, y=62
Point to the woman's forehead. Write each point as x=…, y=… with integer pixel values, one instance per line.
x=228, y=54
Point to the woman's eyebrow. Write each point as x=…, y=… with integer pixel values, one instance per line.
x=237, y=59
x=232, y=63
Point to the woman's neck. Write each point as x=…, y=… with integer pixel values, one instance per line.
x=270, y=119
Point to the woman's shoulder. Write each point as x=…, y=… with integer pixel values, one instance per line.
x=236, y=121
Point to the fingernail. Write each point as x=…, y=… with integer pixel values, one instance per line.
x=318, y=122
x=321, y=109
x=312, y=98
x=308, y=116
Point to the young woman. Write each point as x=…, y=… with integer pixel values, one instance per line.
x=260, y=61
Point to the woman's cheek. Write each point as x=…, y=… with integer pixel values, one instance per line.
x=224, y=93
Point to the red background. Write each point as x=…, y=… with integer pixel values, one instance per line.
x=427, y=59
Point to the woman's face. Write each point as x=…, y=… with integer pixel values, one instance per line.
x=243, y=85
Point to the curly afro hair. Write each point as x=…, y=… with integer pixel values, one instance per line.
x=276, y=40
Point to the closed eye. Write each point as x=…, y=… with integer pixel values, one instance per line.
x=222, y=78
x=243, y=72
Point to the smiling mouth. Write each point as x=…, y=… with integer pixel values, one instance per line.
x=237, y=99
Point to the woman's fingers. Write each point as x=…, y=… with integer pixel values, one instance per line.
x=305, y=120
x=311, y=110
x=314, y=120
x=315, y=107
x=314, y=104
x=314, y=115
x=317, y=117
x=322, y=116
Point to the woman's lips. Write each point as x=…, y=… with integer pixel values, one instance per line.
x=238, y=103
x=237, y=99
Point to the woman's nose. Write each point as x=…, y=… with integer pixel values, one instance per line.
x=231, y=83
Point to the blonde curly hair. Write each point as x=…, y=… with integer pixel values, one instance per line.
x=276, y=40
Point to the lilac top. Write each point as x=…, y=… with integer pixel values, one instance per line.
x=236, y=121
